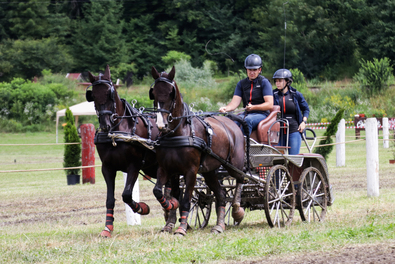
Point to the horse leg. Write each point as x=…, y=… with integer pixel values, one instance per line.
x=237, y=211
x=166, y=203
x=170, y=215
x=185, y=204
x=109, y=177
x=141, y=207
x=213, y=183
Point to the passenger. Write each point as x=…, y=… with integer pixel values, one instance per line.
x=293, y=107
x=256, y=93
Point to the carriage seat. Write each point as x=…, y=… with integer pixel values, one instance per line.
x=260, y=134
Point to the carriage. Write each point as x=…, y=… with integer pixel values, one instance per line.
x=277, y=183
x=202, y=158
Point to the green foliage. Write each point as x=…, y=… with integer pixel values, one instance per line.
x=33, y=105
x=191, y=76
x=330, y=131
x=27, y=58
x=173, y=56
x=72, y=152
x=98, y=39
x=122, y=69
x=374, y=75
x=228, y=88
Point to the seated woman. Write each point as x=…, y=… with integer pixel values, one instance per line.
x=294, y=108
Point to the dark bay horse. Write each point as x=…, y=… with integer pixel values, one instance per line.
x=189, y=144
x=118, y=117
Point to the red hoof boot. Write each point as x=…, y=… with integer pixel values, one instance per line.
x=107, y=231
x=105, y=234
x=180, y=232
x=144, y=209
x=238, y=213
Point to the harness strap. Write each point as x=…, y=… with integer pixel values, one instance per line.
x=183, y=141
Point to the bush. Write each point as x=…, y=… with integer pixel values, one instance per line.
x=329, y=133
x=72, y=153
x=190, y=76
x=172, y=57
x=374, y=75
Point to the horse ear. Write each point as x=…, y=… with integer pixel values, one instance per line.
x=91, y=77
x=107, y=73
x=171, y=74
x=155, y=73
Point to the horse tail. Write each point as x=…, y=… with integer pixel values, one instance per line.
x=245, y=128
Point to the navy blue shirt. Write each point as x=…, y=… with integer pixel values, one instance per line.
x=254, y=91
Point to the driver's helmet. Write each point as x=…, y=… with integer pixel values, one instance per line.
x=253, y=61
x=283, y=74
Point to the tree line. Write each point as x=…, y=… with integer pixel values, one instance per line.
x=324, y=39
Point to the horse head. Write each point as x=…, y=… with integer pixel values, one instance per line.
x=167, y=98
x=105, y=96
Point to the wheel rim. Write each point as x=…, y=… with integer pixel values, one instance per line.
x=312, y=196
x=279, y=197
x=202, y=198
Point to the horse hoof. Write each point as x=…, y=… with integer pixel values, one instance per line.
x=144, y=208
x=217, y=229
x=105, y=234
x=180, y=232
x=168, y=228
x=237, y=213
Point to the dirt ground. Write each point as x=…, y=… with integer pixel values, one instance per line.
x=366, y=254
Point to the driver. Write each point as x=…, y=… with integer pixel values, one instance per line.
x=256, y=93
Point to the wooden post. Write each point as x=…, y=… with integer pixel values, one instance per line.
x=88, y=152
x=341, y=148
x=132, y=218
x=386, y=132
x=372, y=157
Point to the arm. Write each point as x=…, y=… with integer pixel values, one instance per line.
x=236, y=100
x=267, y=105
x=304, y=108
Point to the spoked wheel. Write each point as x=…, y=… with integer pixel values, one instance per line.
x=228, y=185
x=201, y=203
x=279, y=197
x=312, y=196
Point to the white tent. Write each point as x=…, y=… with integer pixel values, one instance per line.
x=85, y=108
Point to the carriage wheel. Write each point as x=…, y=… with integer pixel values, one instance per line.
x=202, y=199
x=312, y=197
x=279, y=197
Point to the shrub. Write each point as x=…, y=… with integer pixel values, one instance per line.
x=172, y=57
x=374, y=75
x=72, y=153
x=330, y=131
x=190, y=76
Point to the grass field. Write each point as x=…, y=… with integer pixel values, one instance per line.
x=44, y=220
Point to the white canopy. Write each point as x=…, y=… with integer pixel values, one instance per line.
x=85, y=108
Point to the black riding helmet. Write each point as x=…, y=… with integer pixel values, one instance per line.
x=283, y=74
x=253, y=61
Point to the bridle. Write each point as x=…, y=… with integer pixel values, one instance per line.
x=90, y=98
x=161, y=78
